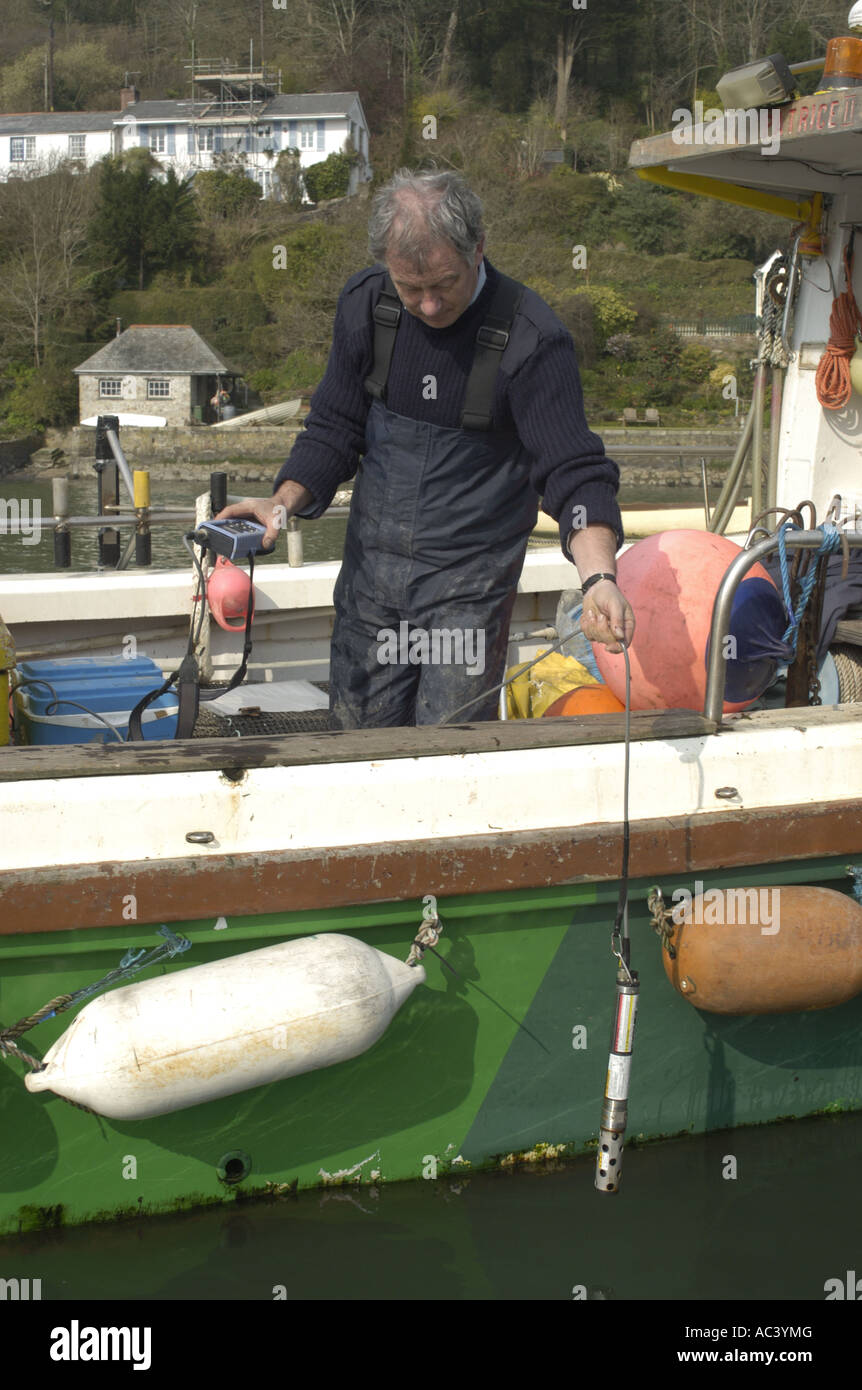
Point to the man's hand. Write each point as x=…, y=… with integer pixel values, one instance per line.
x=607, y=616
x=271, y=512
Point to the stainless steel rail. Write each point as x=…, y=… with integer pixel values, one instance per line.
x=716, y=676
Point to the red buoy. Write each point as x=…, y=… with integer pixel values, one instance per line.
x=229, y=592
x=671, y=581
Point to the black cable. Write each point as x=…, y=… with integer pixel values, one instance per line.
x=546, y=651
x=621, y=921
x=56, y=701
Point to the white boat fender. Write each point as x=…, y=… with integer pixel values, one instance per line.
x=210, y=1031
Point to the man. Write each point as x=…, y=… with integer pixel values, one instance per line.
x=460, y=389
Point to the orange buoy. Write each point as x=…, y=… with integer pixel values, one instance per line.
x=671, y=581
x=586, y=699
x=765, y=950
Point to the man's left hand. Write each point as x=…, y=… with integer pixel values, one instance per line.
x=607, y=616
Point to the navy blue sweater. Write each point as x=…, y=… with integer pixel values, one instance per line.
x=538, y=398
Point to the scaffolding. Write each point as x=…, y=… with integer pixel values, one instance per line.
x=226, y=89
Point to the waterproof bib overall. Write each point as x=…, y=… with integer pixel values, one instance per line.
x=438, y=530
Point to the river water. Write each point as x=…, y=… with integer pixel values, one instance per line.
x=681, y=1228
x=28, y=549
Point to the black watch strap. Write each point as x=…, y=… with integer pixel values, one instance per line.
x=594, y=579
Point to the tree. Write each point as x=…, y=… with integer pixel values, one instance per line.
x=43, y=244
x=83, y=77
x=143, y=223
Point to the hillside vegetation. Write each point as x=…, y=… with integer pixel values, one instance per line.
x=503, y=82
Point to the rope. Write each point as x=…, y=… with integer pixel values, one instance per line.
x=832, y=381
x=771, y=350
x=9, y=1049
x=133, y=961
x=831, y=541
x=56, y=1006
x=425, y=940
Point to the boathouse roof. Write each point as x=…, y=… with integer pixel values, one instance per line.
x=168, y=348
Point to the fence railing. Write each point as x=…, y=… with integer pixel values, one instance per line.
x=738, y=326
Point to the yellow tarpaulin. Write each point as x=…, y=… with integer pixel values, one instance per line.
x=532, y=693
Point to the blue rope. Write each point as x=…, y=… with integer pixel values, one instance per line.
x=831, y=541
x=134, y=960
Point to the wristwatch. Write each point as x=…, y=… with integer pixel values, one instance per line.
x=594, y=579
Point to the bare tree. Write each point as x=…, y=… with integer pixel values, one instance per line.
x=572, y=36
x=446, y=59
x=43, y=242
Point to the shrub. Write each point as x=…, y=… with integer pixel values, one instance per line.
x=695, y=362
x=330, y=178
x=622, y=346
x=612, y=313
x=225, y=193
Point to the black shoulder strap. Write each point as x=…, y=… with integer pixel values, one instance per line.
x=387, y=316
x=491, y=343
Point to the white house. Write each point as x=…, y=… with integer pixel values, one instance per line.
x=241, y=114
x=31, y=141
x=186, y=139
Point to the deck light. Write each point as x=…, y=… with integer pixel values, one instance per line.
x=765, y=82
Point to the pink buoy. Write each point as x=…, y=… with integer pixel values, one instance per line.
x=671, y=581
x=229, y=591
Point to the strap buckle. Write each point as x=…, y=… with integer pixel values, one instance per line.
x=492, y=337
x=387, y=315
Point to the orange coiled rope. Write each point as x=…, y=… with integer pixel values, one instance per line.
x=832, y=381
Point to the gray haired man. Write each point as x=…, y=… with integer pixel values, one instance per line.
x=458, y=390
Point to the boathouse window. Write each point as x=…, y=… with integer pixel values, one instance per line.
x=76, y=146
x=22, y=148
x=158, y=141
x=111, y=386
x=158, y=388
x=307, y=135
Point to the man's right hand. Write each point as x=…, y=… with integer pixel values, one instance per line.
x=271, y=512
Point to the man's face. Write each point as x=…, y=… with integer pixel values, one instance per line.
x=438, y=294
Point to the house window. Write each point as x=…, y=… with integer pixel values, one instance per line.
x=76, y=146
x=158, y=141
x=111, y=386
x=158, y=389
x=307, y=135
x=206, y=138
x=24, y=147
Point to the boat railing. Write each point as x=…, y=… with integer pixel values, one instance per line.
x=716, y=677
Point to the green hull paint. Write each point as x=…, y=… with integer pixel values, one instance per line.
x=477, y=1067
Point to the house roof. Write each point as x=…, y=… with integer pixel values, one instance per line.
x=170, y=349
x=289, y=105
x=55, y=122
x=312, y=104
x=156, y=111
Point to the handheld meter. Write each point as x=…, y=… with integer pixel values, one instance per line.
x=235, y=539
